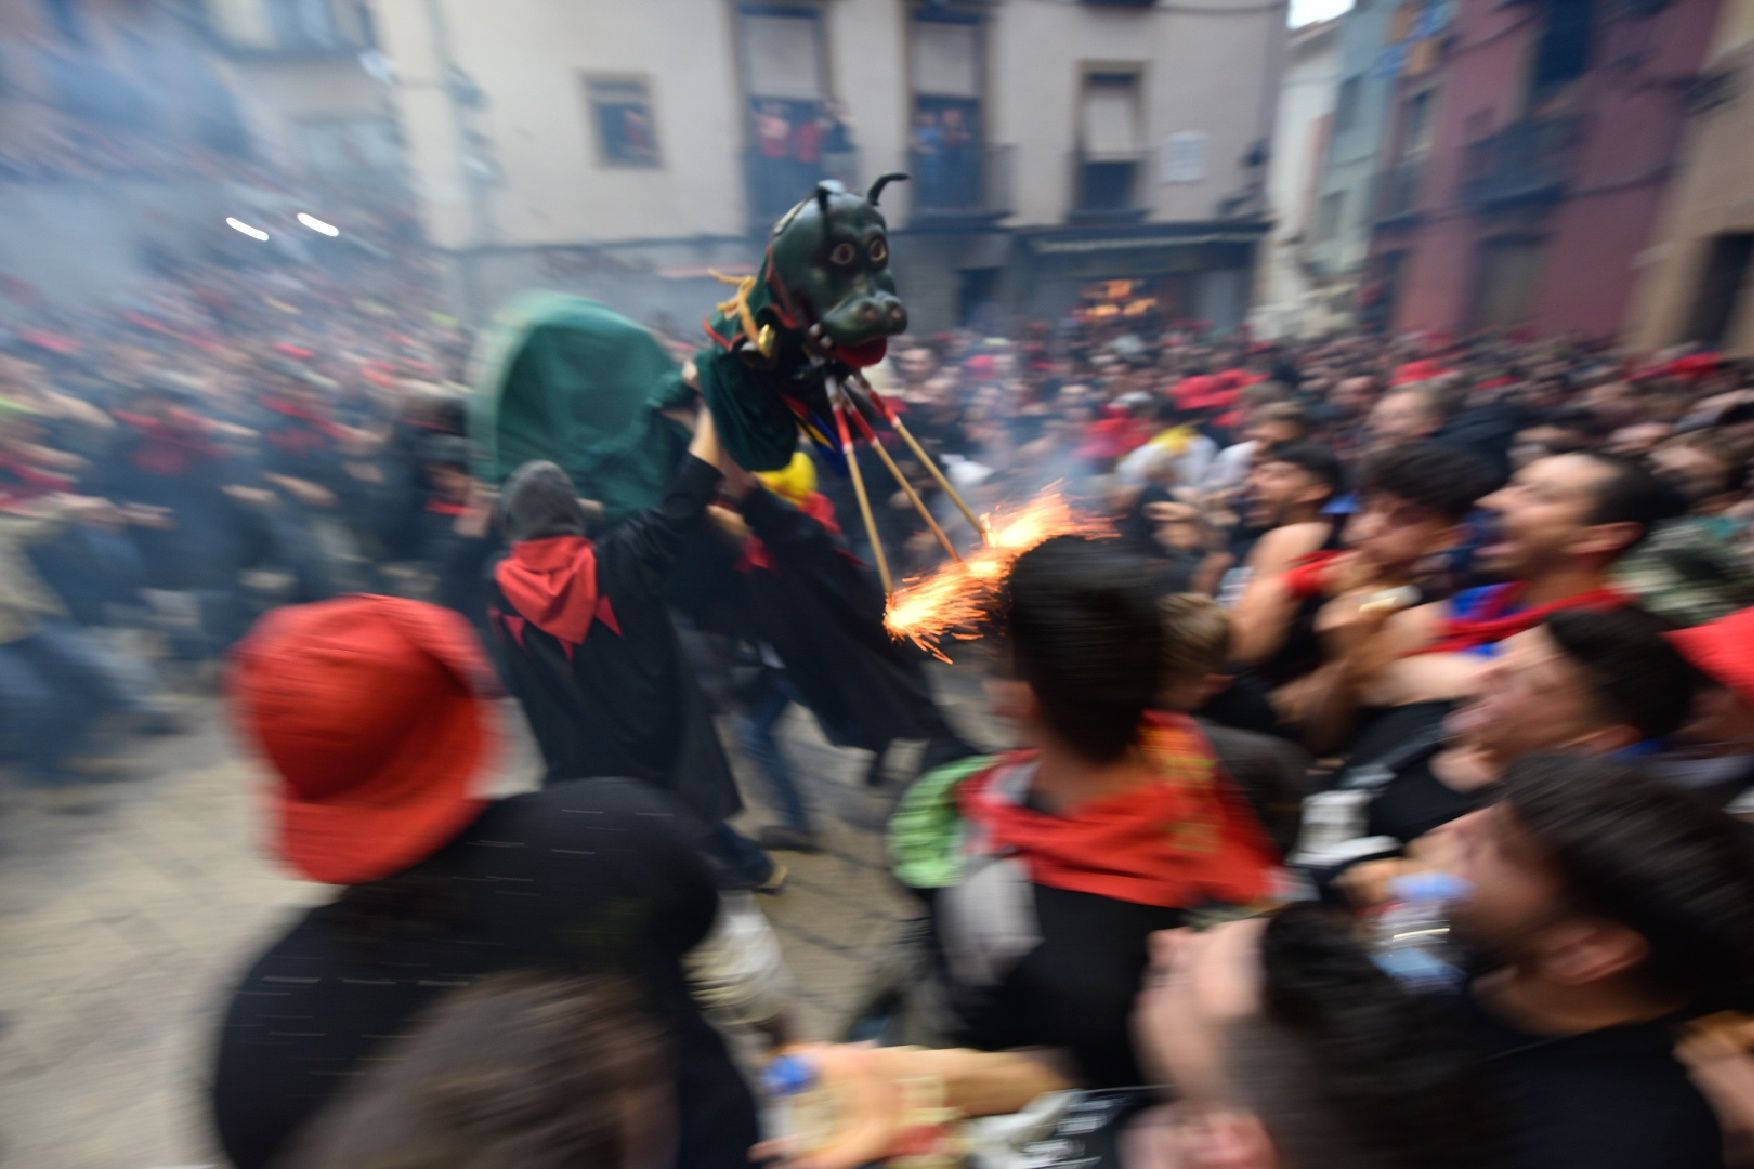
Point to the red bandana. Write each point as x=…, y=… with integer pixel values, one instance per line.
x=1179, y=843
x=1495, y=622
x=552, y=583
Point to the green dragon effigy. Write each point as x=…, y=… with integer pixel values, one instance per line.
x=564, y=378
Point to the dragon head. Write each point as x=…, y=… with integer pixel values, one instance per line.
x=829, y=257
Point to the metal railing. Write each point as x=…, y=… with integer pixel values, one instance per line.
x=1110, y=186
x=1398, y=189
x=1528, y=161
x=775, y=185
x=970, y=182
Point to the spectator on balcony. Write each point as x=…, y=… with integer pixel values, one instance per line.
x=959, y=161
x=773, y=148
x=929, y=158
x=838, y=159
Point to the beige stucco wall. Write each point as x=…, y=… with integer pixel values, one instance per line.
x=274, y=96
x=1712, y=195
x=1306, y=99
x=1201, y=72
x=529, y=56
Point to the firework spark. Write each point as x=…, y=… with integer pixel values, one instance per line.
x=954, y=601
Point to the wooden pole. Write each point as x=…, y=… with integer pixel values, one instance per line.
x=901, y=481
x=846, y=448
x=919, y=451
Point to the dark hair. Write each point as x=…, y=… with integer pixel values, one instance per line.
x=1083, y=629
x=1580, y=419
x=1346, y=1067
x=1637, y=851
x=1635, y=677
x=1313, y=459
x=518, y=1071
x=1632, y=494
x=540, y=501
x=1438, y=478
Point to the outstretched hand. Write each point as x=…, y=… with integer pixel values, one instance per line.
x=870, y=1107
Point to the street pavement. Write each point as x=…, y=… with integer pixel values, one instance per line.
x=124, y=921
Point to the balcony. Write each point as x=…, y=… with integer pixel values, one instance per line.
x=1528, y=163
x=292, y=30
x=1397, y=192
x=774, y=185
x=954, y=188
x=1109, y=188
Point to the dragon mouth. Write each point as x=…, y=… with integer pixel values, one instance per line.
x=863, y=354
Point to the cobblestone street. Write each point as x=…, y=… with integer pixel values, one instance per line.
x=121, y=926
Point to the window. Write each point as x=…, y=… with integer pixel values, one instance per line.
x=1416, y=126
x=1328, y=215
x=1112, y=119
x=304, y=24
x=1184, y=157
x=1563, y=53
x=621, y=119
x=946, y=144
x=346, y=146
x=1346, y=104
x=782, y=53
x=796, y=137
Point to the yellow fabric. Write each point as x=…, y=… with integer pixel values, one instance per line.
x=795, y=482
x=1175, y=440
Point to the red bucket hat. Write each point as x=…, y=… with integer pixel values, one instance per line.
x=1724, y=649
x=370, y=711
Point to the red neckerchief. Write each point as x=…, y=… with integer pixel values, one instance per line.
x=816, y=506
x=20, y=482
x=1180, y=843
x=1308, y=576
x=552, y=583
x=1496, y=621
x=446, y=507
x=304, y=414
x=166, y=448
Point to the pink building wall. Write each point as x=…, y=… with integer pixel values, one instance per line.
x=1631, y=101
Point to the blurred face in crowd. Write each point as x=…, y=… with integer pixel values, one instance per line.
x=1544, y=517
x=1352, y=397
x=1639, y=439
x=1702, y=475
x=1198, y=987
x=1402, y=416
x=1534, y=698
x=1282, y=492
x=1396, y=534
x=1516, y=897
x=1267, y=431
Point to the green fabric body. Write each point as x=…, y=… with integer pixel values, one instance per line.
x=563, y=378
x=926, y=832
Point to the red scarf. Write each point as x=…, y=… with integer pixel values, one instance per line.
x=20, y=482
x=169, y=448
x=816, y=506
x=1494, y=622
x=1179, y=843
x=552, y=583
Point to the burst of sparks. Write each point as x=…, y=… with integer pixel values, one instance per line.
x=955, y=600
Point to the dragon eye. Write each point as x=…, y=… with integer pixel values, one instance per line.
x=842, y=255
x=879, y=251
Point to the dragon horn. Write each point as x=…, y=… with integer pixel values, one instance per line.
x=894, y=176
x=822, y=194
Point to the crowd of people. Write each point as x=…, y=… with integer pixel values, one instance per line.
x=1374, y=617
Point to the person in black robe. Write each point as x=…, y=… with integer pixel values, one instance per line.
x=592, y=654
x=821, y=612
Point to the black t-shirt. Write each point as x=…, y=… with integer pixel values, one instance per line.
x=1612, y=1099
x=582, y=877
x=1074, y=989
x=1412, y=800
